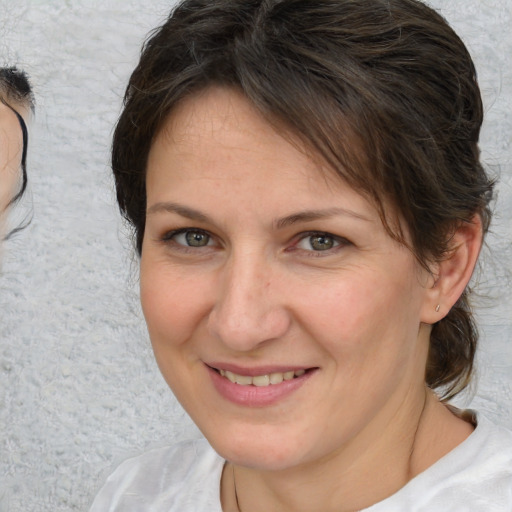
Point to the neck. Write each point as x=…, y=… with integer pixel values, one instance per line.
x=371, y=468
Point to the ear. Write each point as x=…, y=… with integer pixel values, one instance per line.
x=452, y=274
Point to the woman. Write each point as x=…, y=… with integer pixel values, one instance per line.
x=308, y=206
x=16, y=101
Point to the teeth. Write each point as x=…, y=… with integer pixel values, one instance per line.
x=261, y=380
x=243, y=380
x=276, y=378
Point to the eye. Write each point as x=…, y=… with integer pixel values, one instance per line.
x=318, y=242
x=190, y=238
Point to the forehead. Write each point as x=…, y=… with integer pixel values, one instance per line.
x=216, y=151
x=218, y=136
x=219, y=125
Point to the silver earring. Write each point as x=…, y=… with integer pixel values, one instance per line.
x=438, y=307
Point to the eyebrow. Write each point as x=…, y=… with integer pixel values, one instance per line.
x=311, y=215
x=289, y=220
x=183, y=211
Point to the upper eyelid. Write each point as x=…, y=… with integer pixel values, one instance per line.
x=173, y=232
x=306, y=234
x=341, y=242
x=168, y=237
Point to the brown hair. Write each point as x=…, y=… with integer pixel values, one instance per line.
x=383, y=90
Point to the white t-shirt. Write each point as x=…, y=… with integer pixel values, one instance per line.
x=474, y=477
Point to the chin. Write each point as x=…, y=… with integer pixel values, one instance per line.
x=261, y=450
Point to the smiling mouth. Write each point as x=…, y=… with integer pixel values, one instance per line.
x=269, y=379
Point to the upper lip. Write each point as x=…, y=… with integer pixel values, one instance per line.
x=254, y=371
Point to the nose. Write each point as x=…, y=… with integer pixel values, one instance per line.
x=249, y=309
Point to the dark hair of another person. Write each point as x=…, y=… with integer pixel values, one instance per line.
x=383, y=91
x=15, y=91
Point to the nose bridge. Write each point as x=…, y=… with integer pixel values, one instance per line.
x=248, y=310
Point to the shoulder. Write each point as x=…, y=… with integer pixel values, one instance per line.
x=476, y=476
x=488, y=451
x=184, y=477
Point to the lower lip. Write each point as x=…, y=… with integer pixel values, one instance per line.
x=255, y=396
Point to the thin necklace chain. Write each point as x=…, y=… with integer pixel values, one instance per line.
x=236, y=494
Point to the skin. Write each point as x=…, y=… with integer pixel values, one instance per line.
x=11, y=150
x=258, y=294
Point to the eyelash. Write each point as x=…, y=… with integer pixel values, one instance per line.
x=338, y=242
x=170, y=238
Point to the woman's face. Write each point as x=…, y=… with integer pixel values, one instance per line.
x=261, y=268
x=11, y=150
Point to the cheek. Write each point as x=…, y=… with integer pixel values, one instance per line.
x=8, y=179
x=172, y=305
x=171, y=308
x=362, y=312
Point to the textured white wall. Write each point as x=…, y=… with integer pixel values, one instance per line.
x=79, y=390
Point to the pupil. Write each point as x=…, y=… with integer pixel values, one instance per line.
x=196, y=239
x=322, y=243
